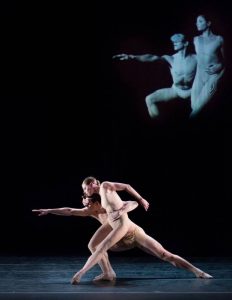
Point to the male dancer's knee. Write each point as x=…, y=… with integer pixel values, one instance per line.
x=92, y=247
x=151, y=99
x=103, y=247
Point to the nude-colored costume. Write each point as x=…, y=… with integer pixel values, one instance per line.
x=205, y=85
x=127, y=242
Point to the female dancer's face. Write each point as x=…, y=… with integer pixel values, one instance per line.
x=88, y=189
x=201, y=23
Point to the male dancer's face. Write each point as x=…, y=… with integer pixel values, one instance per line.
x=179, y=45
x=179, y=42
x=86, y=202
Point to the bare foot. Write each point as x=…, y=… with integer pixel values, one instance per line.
x=203, y=275
x=106, y=277
x=76, y=278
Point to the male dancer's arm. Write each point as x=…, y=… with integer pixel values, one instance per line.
x=141, y=57
x=83, y=212
x=64, y=211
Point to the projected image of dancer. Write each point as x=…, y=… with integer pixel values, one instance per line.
x=182, y=66
x=210, y=64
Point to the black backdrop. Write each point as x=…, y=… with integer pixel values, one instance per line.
x=69, y=111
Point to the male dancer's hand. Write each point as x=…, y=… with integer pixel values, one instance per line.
x=41, y=212
x=127, y=206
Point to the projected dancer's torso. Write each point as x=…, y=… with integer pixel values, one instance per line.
x=210, y=68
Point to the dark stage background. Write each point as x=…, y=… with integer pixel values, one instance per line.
x=70, y=111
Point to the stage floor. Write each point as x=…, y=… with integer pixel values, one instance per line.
x=48, y=277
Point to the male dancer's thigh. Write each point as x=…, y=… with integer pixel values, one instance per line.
x=165, y=94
